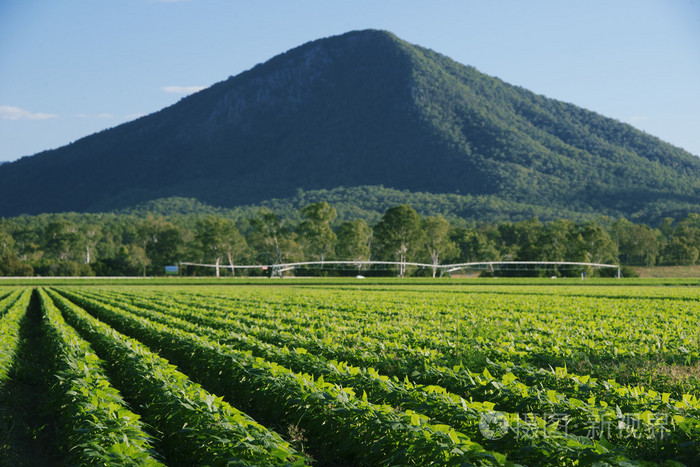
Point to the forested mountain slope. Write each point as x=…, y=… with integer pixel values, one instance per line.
x=363, y=109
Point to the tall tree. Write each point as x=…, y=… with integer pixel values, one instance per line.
x=90, y=235
x=272, y=239
x=354, y=241
x=438, y=242
x=268, y=236
x=555, y=241
x=10, y=265
x=637, y=243
x=7, y=242
x=592, y=244
x=526, y=236
x=161, y=240
x=218, y=238
x=136, y=257
x=61, y=239
x=316, y=235
x=398, y=235
x=683, y=246
x=28, y=241
x=476, y=245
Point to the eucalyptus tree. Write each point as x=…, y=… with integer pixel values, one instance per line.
x=272, y=239
x=218, y=238
x=398, y=235
x=315, y=232
x=161, y=241
x=438, y=242
x=354, y=241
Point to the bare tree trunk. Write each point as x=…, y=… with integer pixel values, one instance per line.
x=230, y=263
x=435, y=261
x=87, y=254
x=278, y=250
x=217, y=266
x=402, y=260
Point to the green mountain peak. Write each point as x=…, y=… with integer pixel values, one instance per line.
x=362, y=109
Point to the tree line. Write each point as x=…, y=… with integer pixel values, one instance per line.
x=73, y=244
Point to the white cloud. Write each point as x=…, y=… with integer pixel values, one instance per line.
x=182, y=89
x=15, y=113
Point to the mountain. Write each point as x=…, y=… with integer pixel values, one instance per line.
x=363, y=109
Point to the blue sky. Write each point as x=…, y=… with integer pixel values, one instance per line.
x=70, y=68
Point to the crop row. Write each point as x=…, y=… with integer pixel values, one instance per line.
x=433, y=401
x=337, y=423
x=12, y=309
x=96, y=399
x=358, y=376
x=97, y=426
x=506, y=393
x=198, y=427
x=540, y=328
x=399, y=359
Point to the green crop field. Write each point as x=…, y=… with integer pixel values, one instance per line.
x=350, y=373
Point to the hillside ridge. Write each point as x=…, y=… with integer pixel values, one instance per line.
x=363, y=108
